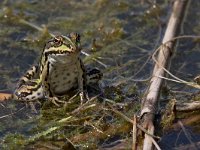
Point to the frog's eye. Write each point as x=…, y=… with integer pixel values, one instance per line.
x=58, y=41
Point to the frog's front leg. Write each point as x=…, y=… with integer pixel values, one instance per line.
x=50, y=96
x=82, y=82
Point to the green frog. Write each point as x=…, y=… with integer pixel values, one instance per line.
x=60, y=70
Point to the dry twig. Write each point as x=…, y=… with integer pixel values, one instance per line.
x=149, y=104
x=134, y=133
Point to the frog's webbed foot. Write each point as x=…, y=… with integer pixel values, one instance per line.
x=56, y=101
x=84, y=97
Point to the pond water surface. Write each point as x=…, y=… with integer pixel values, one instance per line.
x=118, y=35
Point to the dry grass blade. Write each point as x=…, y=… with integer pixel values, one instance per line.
x=12, y=113
x=186, y=133
x=134, y=133
x=85, y=105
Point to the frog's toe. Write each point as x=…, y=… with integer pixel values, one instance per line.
x=84, y=97
x=55, y=101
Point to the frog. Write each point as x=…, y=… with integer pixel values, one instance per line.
x=59, y=70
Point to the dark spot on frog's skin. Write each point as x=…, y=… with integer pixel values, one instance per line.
x=68, y=74
x=33, y=97
x=28, y=75
x=63, y=84
x=64, y=78
x=54, y=82
x=31, y=83
x=68, y=82
x=56, y=76
x=56, y=86
x=38, y=93
x=75, y=71
x=27, y=99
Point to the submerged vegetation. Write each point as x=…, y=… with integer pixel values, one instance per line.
x=118, y=37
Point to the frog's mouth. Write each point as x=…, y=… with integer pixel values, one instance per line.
x=61, y=53
x=63, y=58
x=57, y=52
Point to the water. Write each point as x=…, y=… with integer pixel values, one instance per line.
x=121, y=34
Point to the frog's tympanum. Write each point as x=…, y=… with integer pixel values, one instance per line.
x=60, y=69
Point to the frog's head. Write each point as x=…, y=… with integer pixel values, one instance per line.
x=63, y=44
